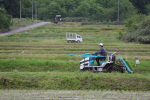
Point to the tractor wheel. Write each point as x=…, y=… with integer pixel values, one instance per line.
x=84, y=69
x=94, y=70
x=91, y=69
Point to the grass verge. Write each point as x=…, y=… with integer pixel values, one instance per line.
x=74, y=81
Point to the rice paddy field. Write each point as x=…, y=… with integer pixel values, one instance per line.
x=35, y=63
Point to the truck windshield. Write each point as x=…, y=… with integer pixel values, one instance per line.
x=78, y=37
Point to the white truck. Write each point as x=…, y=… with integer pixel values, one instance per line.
x=73, y=37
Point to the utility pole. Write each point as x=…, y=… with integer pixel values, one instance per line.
x=20, y=12
x=32, y=9
x=35, y=9
x=118, y=12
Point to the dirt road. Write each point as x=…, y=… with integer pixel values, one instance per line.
x=23, y=28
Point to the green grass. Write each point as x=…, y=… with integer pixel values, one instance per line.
x=74, y=81
x=38, y=59
x=63, y=63
x=37, y=65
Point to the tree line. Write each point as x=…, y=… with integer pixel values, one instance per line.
x=95, y=9
x=100, y=10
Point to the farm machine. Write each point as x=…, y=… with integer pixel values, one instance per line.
x=113, y=63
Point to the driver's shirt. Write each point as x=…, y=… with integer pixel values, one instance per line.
x=101, y=52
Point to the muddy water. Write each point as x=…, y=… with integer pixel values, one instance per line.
x=72, y=95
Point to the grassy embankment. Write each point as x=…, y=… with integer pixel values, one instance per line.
x=17, y=23
x=38, y=59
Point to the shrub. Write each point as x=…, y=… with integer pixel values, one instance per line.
x=138, y=30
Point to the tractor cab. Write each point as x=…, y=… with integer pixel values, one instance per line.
x=57, y=19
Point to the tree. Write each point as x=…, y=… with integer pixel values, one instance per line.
x=96, y=11
x=26, y=8
x=126, y=9
x=4, y=20
x=13, y=6
x=141, y=5
x=106, y=3
x=138, y=29
x=148, y=9
x=82, y=10
x=53, y=9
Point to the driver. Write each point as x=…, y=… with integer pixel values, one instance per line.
x=102, y=52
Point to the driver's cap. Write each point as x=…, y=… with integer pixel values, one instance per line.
x=101, y=44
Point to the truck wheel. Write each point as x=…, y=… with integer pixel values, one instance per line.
x=69, y=41
x=78, y=41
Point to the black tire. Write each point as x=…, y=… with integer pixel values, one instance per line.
x=94, y=70
x=69, y=41
x=84, y=69
x=78, y=41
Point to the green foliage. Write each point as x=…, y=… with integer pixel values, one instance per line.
x=141, y=5
x=132, y=22
x=97, y=10
x=53, y=9
x=13, y=7
x=83, y=10
x=126, y=9
x=138, y=29
x=4, y=20
x=26, y=9
x=148, y=8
